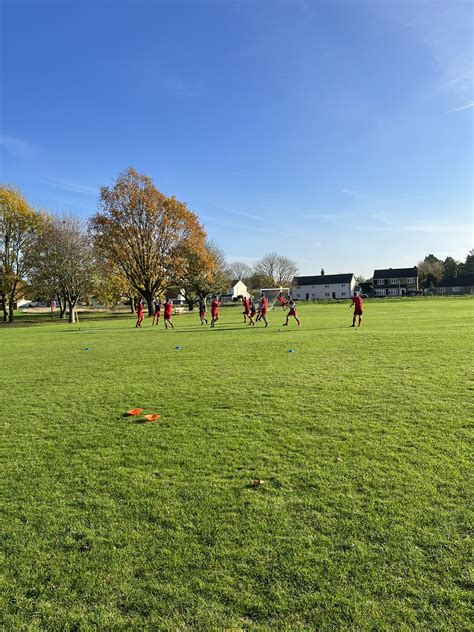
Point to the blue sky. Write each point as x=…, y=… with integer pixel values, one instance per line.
x=337, y=133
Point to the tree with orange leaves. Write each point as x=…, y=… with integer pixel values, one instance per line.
x=145, y=234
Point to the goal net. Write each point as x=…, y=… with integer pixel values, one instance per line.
x=273, y=294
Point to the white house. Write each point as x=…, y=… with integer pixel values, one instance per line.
x=324, y=287
x=237, y=288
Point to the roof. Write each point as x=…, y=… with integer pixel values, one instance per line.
x=396, y=273
x=235, y=281
x=324, y=279
x=459, y=281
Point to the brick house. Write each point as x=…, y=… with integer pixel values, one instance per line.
x=396, y=281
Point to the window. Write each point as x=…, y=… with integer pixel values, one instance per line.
x=393, y=292
x=381, y=292
x=326, y=286
x=327, y=294
x=298, y=288
x=379, y=281
x=457, y=290
x=313, y=295
x=411, y=280
x=298, y=295
x=343, y=285
x=394, y=281
x=343, y=293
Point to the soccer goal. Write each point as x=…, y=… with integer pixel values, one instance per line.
x=272, y=294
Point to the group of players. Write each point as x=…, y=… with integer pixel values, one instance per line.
x=253, y=311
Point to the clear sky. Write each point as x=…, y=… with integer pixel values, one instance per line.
x=337, y=133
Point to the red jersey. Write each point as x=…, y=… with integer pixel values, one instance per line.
x=264, y=305
x=168, y=308
x=140, y=307
x=215, y=306
x=358, y=303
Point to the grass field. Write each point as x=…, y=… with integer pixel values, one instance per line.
x=360, y=437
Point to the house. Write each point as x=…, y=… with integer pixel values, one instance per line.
x=456, y=284
x=237, y=288
x=323, y=287
x=396, y=281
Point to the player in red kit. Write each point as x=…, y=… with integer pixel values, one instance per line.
x=358, y=303
x=292, y=312
x=214, y=311
x=139, y=310
x=263, y=309
x=168, y=309
x=246, y=304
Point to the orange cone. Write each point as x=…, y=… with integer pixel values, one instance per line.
x=151, y=417
x=134, y=411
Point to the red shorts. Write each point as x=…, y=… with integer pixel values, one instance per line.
x=292, y=312
x=264, y=311
x=357, y=312
x=167, y=316
x=215, y=314
x=202, y=314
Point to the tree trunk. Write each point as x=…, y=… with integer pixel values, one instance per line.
x=72, y=311
x=10, y=309
x=148, y=296
x=4, y=307
x=62, y=306
x=190, y=303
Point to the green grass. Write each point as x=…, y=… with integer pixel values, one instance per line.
x=360, y=437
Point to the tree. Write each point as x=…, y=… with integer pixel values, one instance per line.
x=206, y=273
x=239, y=270
x=256, y=282
x=450, y=266
x=145, y=234
x=430, y=271
x=63, y=258
x=468, y=265
x=276, y=270
x=109, y=286
x=19, y=225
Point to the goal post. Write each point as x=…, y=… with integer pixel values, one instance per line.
x=272, y=294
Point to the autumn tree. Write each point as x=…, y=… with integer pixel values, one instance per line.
x=276, y=270
x=145, y=234
x=62, y=257
x=19, y=225
x=205, y=273
x=110, y=285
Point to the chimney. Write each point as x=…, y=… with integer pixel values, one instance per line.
x=322, y=271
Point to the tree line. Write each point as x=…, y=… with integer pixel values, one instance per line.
x=140, y=242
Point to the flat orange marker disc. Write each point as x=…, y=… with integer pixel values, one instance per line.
x=135, y=411
x=151, y=417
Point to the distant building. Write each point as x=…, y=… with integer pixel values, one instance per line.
x=237, y=288
x=396, y=281
x=456, y=284
x=323, y=287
